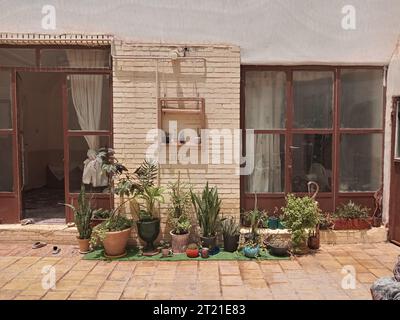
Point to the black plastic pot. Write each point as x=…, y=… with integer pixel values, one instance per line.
x=278, y=251
x=148, y=231
x=231, y=243
x=209, y=242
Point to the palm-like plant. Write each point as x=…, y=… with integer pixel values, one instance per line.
x=82, y=215
x=207, y=207
x=151, y=195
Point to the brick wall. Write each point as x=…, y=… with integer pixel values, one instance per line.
x=215, y=76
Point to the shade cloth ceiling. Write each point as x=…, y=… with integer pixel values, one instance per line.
x=268, y=31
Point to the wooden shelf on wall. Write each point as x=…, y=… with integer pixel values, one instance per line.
x=164, y=108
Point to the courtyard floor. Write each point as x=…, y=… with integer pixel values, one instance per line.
x=317, y=276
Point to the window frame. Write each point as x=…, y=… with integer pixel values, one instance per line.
x=289, y=131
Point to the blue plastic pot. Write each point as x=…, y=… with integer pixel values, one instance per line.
x=251, y=252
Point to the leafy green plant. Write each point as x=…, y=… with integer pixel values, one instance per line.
x=101, y=213
x=300, y=214
x=192, y=246
x=207, y=207
x=230, y=227
x=151, y=195
x=180, y=208
x=351, y=211
x=114, y=223
x=82, y=215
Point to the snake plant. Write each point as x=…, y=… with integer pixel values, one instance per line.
x=207, y=207
x=82, y=215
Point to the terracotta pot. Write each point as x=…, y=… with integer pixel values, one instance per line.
x=166, y=252
x=351, y=224
x=192, y=253
x=204, y=253
x=361, y=224
x=84, y=245
x=115, y=243
x=343, y=224
x=179, y=242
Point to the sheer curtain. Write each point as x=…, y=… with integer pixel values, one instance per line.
x=87, y=92
x=265, y=97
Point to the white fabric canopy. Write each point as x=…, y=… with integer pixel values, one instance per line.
x=268, y=31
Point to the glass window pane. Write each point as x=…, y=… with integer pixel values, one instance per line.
x=89, y=102
x=6, y=164
x=361, y=98
x=360, y=162
x=17, y=57
x=75, y=58
x=5, y=100
x=312, y=161
x=84, y=166
x=269, y=164
x=265, y=96
x=313, y=99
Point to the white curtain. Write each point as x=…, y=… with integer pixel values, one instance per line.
x=265, y=97
x=87, y=91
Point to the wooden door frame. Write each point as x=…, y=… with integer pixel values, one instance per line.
x=16, y=194
x=393, y=162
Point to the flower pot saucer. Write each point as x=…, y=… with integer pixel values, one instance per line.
x=150, y=253
x=116, y=257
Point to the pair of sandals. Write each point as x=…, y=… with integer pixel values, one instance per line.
x=40, y=244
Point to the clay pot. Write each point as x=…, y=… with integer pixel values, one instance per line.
x=84, y=245
x=166, y=252
x=361, y=224
x=205, y=253
x=115, y=243
x=192, y=253
x=179, y=242
x=343, y=224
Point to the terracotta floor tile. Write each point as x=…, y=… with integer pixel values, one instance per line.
x=231, y=281
x=57, y=295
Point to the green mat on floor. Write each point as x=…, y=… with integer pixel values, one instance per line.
x=133, y=255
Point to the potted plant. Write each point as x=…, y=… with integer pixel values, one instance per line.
x=251, y=249
x=300, y=214
x=82, y=218
x=231, y=233
x=273, y=220
x=192, y=251
x=166, y=250
x=313, y=241
x=148, y=224
x=114, y=234
x=351, y=216
x=99, y=216
x=278, y=246
x=325, y=221
x=179, y=216
x=207, y=207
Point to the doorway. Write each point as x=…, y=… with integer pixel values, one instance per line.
x=40, y=123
